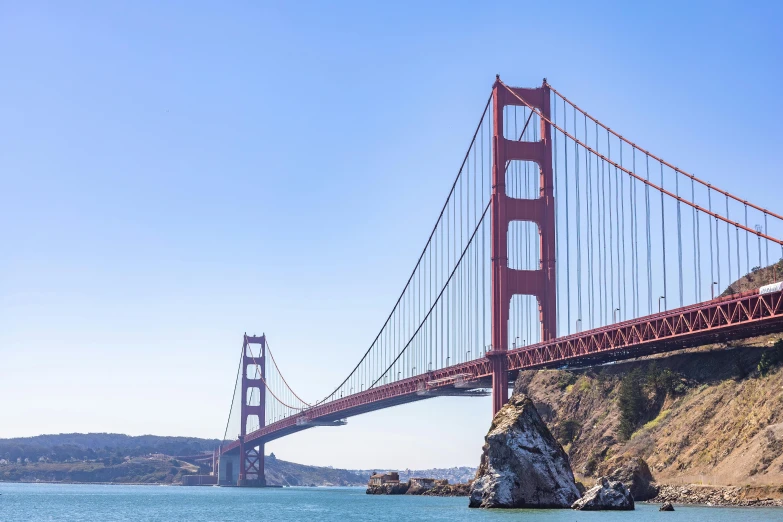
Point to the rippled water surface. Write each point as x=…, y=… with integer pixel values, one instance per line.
x=20, y=502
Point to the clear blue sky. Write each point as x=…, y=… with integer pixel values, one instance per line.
x=174, y=174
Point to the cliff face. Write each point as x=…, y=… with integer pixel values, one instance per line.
x=712, y=415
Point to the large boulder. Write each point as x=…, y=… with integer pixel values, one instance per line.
x=606, y=495
x=635, y=474
x=523, y=465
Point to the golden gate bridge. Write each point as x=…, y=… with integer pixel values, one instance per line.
x=561, y=242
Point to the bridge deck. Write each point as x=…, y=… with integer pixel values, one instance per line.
x=719, y=320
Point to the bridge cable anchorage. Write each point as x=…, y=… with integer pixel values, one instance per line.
x=649, y=183
x=653, y=156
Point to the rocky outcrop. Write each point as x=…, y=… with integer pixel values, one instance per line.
x=635, y=474
x=441, y=488
x=388, y=489
x=448, y=490
x=418, y=488
x=743, y=496
x=666, y=506
x=523, y=465
x=606, y=495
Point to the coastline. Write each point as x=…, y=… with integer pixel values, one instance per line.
x=719, y=496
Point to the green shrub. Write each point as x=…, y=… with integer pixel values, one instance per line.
x=568, y=430
x=631, y=402
x=771, y=358
x=565, y=379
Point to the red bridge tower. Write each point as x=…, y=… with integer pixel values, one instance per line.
x=251, y=466
x=507, y=282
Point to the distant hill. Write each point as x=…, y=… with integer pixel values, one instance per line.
x=66, y=447
x=282, y=473
x=146, y=459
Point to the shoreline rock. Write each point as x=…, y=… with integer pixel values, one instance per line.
x=522, y=464
x=715, y=496
x=448, y=490
x=440, y=489
x=635, y=474
x=399, y=488
x=606, y=495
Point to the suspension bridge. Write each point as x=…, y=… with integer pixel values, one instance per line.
x=561, y=243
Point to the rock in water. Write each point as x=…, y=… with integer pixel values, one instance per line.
x=523, y=465
x=635, y=473
x=667, y=506
x=606, y=495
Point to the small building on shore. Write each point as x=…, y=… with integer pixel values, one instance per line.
x=382, y=479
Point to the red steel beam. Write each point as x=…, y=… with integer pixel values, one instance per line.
x=743, y=315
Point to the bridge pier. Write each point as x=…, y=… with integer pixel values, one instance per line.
x=499, y=362
x=228, y=470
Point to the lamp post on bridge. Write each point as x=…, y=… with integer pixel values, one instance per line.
x=712, y=288
x=578, y=325
x=659, y=302
x=614, y=314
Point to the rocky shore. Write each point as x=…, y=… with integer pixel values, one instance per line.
x=440, y=489
x=769, y=496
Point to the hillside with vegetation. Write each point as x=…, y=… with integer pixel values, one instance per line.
x=282, y=473
x=109, y=447
x=757, y=277
x=712, y=414
x=147, y=459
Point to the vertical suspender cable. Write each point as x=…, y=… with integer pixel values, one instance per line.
x=728, y=238
x=663, y=240
x=649, y=247
x=557, y=242
x=578, y=226
x=622, y=225
x=611, y=229
x=568, y=221
x=747, y=241
x=679, y=234
x=590, y=267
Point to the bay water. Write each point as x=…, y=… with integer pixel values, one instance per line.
x=77, y=502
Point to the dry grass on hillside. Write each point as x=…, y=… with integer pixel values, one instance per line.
x=723, y=426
